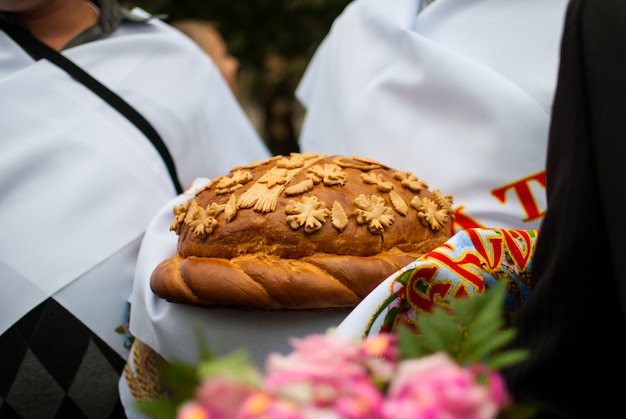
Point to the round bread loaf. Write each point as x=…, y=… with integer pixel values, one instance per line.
x=305, y=231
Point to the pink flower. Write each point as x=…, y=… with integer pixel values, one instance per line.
x=436, y=387
x=191, y=410
x=497, y=386
x=353, y=396
x=361, y=400
x=221, y=396
x=262, y=405
x=381, y=345
x=320, y=354
x=379, y=355
x=328, y=376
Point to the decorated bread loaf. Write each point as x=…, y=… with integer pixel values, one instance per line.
x=305, y=231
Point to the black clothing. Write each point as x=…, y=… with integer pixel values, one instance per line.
x=574, y=319
x=83, y=383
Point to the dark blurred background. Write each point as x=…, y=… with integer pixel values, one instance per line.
x=273, y=40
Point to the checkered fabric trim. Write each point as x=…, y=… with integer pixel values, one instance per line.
x=53, y=366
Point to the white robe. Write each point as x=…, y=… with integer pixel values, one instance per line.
x=79, y=183
x=459, y=93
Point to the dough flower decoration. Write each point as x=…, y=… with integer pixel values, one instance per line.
x=433, y=212
x=329, y=175
x=448, y=370
x=373, y=212
x=310, y=213
x=180, y=212
x=202, y=221
x=275, y=176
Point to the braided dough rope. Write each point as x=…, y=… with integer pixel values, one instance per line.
x=266, y=282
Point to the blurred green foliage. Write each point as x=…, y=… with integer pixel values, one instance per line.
x=273, y=40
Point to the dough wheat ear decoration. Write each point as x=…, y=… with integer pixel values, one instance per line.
x=300, y=232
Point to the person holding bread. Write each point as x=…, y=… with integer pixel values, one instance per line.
x=106, y=114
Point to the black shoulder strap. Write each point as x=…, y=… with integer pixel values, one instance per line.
x=38, y=50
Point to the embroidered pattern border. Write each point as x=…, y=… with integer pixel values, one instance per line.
x=464, y=266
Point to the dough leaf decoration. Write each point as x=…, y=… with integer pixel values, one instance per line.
x=230, y=211
x=398, y=203
x=339, y=217
x=299, y=188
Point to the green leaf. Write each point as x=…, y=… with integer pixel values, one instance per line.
x=471, y=331
x=236, y=365
x=438, y=331
x=158, y=409
x=506, y=358
x=404, y=277
x=492, y=342
x=181, y=377
x=488, y=307
x=410, y=345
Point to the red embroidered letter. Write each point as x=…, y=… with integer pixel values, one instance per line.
x=524, y=194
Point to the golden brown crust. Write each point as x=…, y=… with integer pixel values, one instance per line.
x=300, y=232
x=167, y=279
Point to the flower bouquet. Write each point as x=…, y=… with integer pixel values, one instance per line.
x=447, y=368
